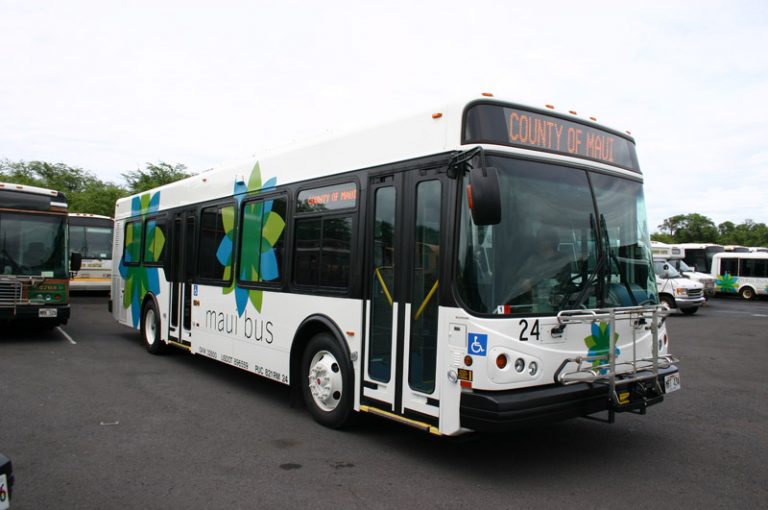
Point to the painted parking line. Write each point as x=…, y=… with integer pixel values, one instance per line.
x=759, y=315
x=58, y=328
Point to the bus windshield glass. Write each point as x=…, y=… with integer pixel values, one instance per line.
x=32, y=245
x=568, y=239
x=92, y=242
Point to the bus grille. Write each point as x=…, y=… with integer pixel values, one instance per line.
x=10, y=293
x=695, y=293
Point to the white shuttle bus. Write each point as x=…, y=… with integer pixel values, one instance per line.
x=743, y=273
x=483, y=266
x=90, y=235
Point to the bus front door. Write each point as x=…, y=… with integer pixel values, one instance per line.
x=403, y=238
x=182, y=288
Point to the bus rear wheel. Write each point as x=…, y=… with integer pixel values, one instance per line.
x=747, y=293
x=150, y=328
x=326, y=381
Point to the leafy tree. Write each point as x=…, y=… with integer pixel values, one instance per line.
x=154, y=175
x=84, y=191
x=662, y=238
x=690, y=228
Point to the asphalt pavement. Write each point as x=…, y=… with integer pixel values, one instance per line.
x=91, y=420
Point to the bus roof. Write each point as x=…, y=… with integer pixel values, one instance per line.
x=25, y=197
x=431, y=133
x=742, y=255
x=88, y=215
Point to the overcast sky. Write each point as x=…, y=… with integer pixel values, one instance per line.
x=107, y=86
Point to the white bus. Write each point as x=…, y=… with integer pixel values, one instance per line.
x=90, y=235
x=699, y=255
x=743, y=273
x=483, y=266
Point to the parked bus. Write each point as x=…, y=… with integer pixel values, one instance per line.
x=90, y=235
x=743, y=273
x=673, y=255
x=34, y=259
x=699, y=255
x=485, y=266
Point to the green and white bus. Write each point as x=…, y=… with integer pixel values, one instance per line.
x=742, y=273
x=484, y=266
x=34, y=256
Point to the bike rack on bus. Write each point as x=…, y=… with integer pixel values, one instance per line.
x=604, y=368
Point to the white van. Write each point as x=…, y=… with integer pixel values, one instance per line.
x=674, y=256
x=677, y=291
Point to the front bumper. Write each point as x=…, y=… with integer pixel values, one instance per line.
x=686, y=302
x=503, y=410
x=32, y=312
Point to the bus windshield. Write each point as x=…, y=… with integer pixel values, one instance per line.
x=568, y=239
x=32, y=245
x=92, y=242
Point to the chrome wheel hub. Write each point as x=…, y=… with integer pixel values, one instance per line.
x=325, y=382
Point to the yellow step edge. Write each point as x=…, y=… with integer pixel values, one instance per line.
x=402, y=419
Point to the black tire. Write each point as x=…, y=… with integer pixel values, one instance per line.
x=666, y=300
x=690, y=311
x=150, y=328
x=747, y=293
x=326, y=381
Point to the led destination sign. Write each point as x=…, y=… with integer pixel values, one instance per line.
x=328, y=198
x=533, y=130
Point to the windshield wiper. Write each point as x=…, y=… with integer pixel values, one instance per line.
x=615, y=258
x=583, y=294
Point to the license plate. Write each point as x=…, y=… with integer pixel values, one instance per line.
x=671, y=383
x=5, y=498
x=47, y=312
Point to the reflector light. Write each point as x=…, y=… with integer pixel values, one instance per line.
x=572, y=112
x=593, y=118
x=501, y=361
x=487, y=94
x=470, y=203
x=437, y=115
x=468, y=360
x=551, y=107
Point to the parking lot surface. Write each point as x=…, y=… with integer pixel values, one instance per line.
x=90, y=420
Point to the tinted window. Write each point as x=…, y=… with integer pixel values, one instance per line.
x=154, y=246
x=730, y=266
x=215, y=244
x=132, y=246
x=263, y=241
x=323, y=251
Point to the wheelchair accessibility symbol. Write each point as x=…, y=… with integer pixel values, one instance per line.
x=477, y=344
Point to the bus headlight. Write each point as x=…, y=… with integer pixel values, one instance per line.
x=519, y=364
x=533, y=368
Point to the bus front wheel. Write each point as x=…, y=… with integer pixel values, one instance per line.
x=327, y=381
x=150, y=328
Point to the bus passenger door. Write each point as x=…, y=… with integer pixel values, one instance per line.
x=404, y=235
x=182, y=253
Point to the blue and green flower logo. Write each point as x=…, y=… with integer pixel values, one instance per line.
x=262, y=228
x=140, y=279
x=599, y=342
x=727, y=283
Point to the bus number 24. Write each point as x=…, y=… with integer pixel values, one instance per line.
x=534, y=329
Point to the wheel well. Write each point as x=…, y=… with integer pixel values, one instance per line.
x=308, y=329
x=670, y=297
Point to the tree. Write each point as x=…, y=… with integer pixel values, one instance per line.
x=155, y=175
x=84, y=191
x=690, y=228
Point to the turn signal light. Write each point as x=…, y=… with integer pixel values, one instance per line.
x=468, y=360
x=501, y=361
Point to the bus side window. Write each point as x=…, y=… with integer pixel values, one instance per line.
x=323, y=252
x=132, y=245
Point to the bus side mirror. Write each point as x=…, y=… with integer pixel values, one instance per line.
x=75, y=261
x=484, y=196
